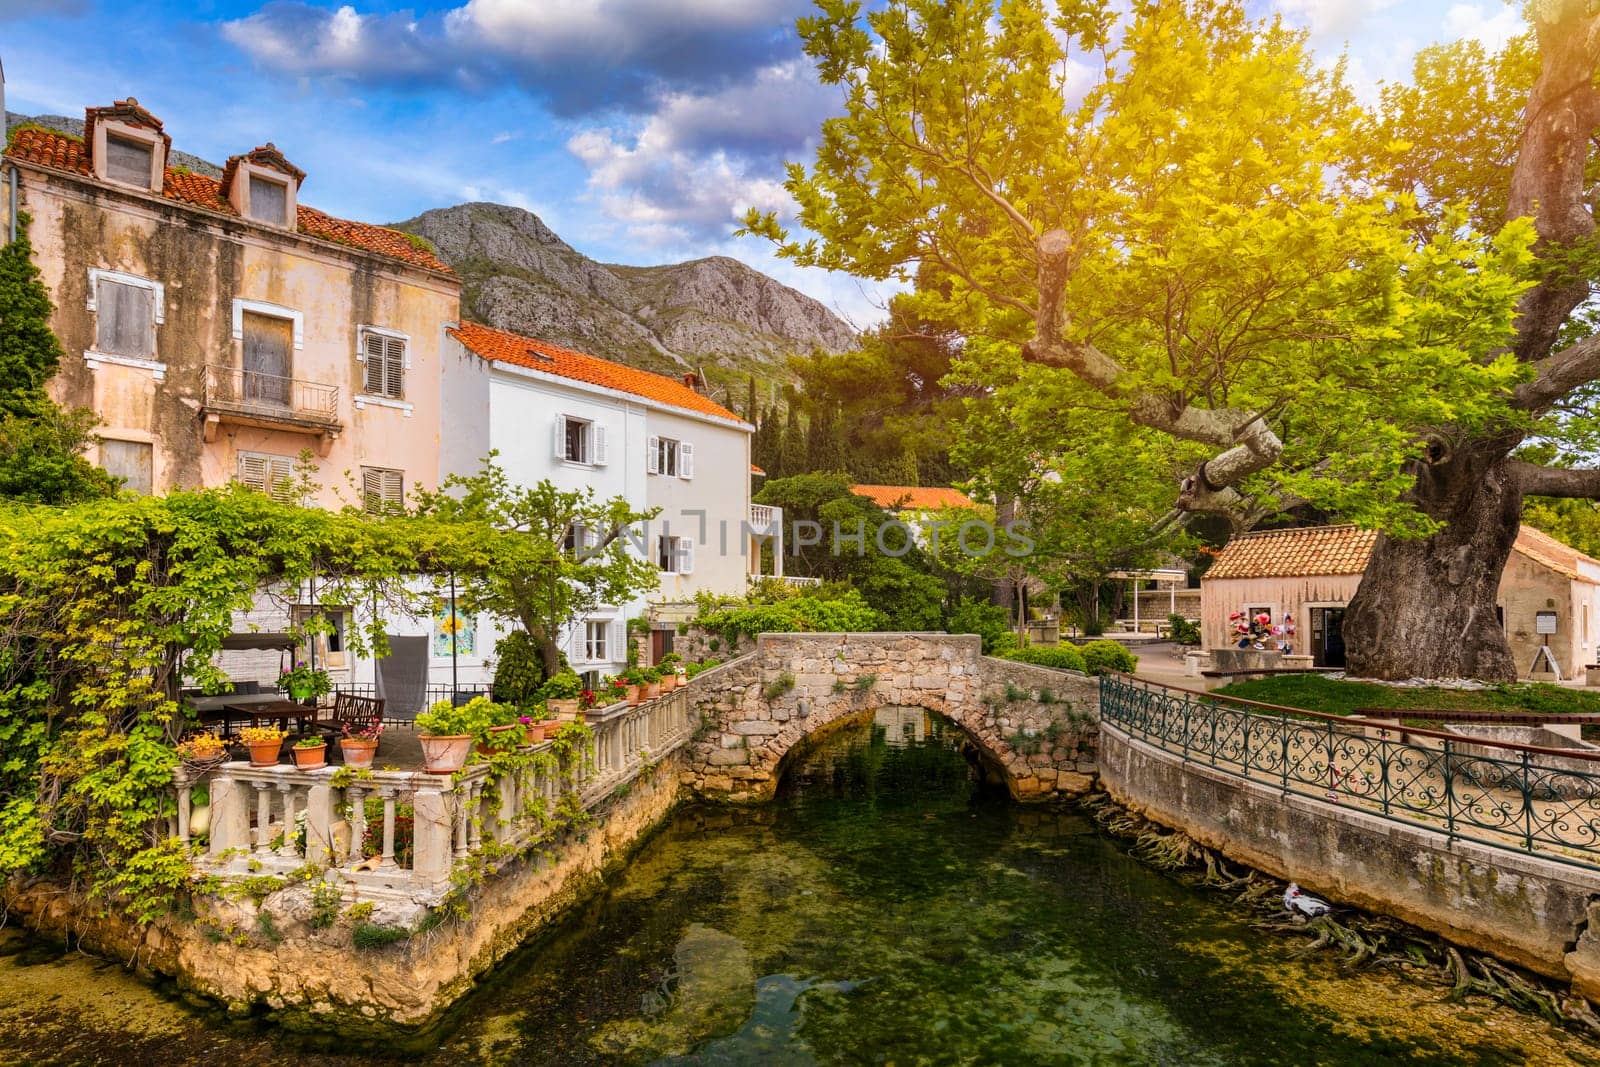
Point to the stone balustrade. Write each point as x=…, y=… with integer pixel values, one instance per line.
x=276, y=820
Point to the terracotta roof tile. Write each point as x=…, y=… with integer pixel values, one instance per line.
x=757, y=470
x=915, y=497
x=47, y=148
x=505, y=347
x=1317, y=550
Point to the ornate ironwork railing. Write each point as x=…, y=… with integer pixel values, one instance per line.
x=1544, y=801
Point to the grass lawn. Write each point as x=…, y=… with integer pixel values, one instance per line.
x=1334, y=697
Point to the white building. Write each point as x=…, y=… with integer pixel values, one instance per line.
x=584, y=422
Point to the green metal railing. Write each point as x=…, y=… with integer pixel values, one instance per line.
x=1525, y=798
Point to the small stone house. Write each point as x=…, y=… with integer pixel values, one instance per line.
x=1549, y=595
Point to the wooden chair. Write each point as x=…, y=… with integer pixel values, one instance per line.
x=350, y=710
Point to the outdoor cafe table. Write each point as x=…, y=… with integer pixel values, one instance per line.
x=278, y=710
x=253, y=706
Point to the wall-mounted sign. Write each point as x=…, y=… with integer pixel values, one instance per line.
x=1544, y=622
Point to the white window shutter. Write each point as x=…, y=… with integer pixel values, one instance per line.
x=686, y=560
x=559, y=443
x=598, y=444
x=652, y=455
x=686, y=460
x=617, y=646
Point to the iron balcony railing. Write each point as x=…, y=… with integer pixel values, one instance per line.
x=270, y=396
x=1526, y=798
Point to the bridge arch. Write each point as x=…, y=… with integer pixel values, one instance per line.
x=755, y=709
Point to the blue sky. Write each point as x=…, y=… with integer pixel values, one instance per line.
x=637, y=129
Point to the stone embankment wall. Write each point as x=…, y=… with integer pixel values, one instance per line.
x=268, y=956
x=757, y=708
x=1540, y=914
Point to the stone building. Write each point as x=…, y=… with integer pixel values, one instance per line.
x=1549, y=595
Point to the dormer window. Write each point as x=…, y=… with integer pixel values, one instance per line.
x=269, y=201
x=128, y=161
x=262, y=186
x=126, y=145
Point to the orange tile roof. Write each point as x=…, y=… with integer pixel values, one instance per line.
x=757, y=470
x=505, y=347
x=913, y=497
x=47, y=148
x=1317, y=550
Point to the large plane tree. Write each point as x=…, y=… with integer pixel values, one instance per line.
x=1176, y=206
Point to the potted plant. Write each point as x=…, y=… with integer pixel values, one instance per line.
x=495, y=726
x=540, y=725
x=588, y=699
x=304, y=683
x=650, y=682
x=310, y=753
x=669, y=667
x=359, y=745
x=625, y=686
x=263, y=743
x=445, y=732
x=563, y=692
x=201, y=752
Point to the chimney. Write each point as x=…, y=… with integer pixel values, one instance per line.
x=692, y=380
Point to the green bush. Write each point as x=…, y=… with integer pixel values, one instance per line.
x=563, y=685
x=989, y=621
x=518, y=671
x=369, y=936
x=1183, y=631
x=1061, y=657
x=1104, y=657
x=846, y=613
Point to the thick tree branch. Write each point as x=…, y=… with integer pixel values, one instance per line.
x=1248, y=442
x=1559, y=374
x=1547, y=180
x=1556, y=481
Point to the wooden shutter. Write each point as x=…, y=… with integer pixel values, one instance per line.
x=129, y=161
x=273, y=475
x=129, y=460
x=686, y=555
x=382, y=490
x=652, y=455
x=685, y=460
x=268, y=342
x=597, y=444
x=122, y=319
x=559, y=441
x=385, y=366
x=617, y=641
x=269, y=201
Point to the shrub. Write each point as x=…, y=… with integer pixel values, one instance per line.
x=704, y=665
x=778, y=686
x=1103, y=657
x=518, y=671
x=1061, y=657
x=989, y=621
x=563, y=685
x=1183, y=631
x=369, y=936
x=845, y=613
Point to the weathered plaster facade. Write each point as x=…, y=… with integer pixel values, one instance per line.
x=753, y=715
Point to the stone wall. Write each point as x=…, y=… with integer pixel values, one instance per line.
x=1540, y=914
x=759, y=706
x=311, y=978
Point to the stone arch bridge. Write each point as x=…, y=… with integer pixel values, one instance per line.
x=755, y=709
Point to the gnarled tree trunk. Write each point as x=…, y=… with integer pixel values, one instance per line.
x=1426, y=607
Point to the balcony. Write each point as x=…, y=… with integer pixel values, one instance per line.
x=270, y=401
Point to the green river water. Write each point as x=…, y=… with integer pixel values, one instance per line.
x=883, y=911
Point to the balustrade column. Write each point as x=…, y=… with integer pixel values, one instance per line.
x=475, y=822
x=230, y=816
x=183, y=809
x=357, y=799
x=263, y=816
x=288, y=849
x=387, y=859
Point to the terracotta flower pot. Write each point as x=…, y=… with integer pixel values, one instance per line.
x=632, y=695
x=669, y=682
x=264, y=753
x=309, y=759
x=358, y=754
x=499, y=739
x=446, y=753
x=568, y=706
x=652, y=690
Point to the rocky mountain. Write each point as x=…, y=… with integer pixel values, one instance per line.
x=715, y=314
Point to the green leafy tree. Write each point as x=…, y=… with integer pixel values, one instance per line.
x=1204, y=240
x=41, y=445
x=567, y=552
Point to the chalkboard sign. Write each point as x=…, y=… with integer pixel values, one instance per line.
x=1544, y=622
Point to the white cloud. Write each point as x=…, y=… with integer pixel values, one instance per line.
x=1469, y=21
x=1332, y=18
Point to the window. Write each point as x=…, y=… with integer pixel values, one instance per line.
x=382, y=489
x=124, y=318
x=675, y=555
x=268, y=355
x=595, y=648
x=664, y=455
x=129, y=161
x=131, y=461
x=579, y=441
x=385, y=358
x=273, y=475
x=269, y=201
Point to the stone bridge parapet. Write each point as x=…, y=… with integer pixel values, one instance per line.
x=1034, y=726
